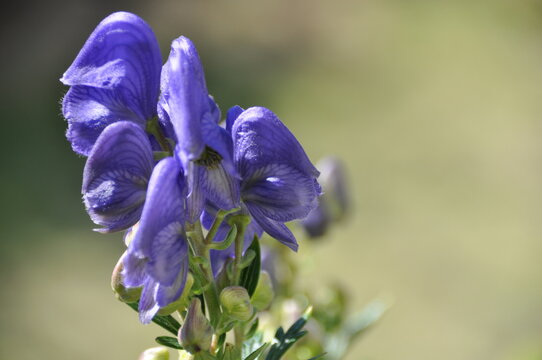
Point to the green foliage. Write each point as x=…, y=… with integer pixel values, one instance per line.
x=285, y=340
x=251, y=274
x=169, y=341
x=167, y=322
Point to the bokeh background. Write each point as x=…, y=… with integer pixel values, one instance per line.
x=434, y=106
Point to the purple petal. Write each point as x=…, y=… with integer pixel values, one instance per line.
x=165, y=295
x=281, y=192
x=116, y=175
x=164, y=207
x=89, y=111
x=133, y=272
x=260, y=139
x=169, y=253
x=184, y=90
x=195, y=199
x=274, y=228
x=148, y=307
x=220, y=187
x=121, y=54
x=233, y=114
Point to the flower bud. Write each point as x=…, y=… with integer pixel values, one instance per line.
x=196, y=333
x=182, y=302
x=264, y=294
x=156, y=353
x=335, y=187
x=236, y=303
x=124, y=294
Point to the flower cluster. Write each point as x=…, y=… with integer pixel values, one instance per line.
x=161, y=162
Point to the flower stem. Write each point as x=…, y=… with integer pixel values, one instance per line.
x=210, y=293
x=216, y=224
x=241, y=221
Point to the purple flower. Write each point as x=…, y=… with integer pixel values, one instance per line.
x=115, y=77
x=116, y=175
x=188, y=111
x=278, y=181
x=157, y=256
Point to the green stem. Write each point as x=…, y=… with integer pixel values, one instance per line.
x=216, y=224
x=210, y=293
x=241, y=221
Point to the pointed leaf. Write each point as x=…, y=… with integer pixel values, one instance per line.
x=169, y=342
x=251, y=274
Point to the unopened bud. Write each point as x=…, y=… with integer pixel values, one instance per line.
x=264, y=294
x=124, y=294
x=156, y=353
x=182, y=302
x=335, y=187
x=236, y=303
x=196, y=333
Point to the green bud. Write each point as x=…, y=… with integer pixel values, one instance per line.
x=156, y=353
x=236, y=303
x=124, y=294
x=264, y=294
x=196, y=333
x=182, y=301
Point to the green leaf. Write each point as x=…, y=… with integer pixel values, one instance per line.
x=251, y=274
x=167, y=322
x=231, y=352
x=250, y=333
x=285, y=340
x=252, y=343
x=256, y=353
x=169, y=342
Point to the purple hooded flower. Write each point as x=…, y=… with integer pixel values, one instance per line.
x=188, y=111
x=278, y=181
x=115, y=77
x=157, y=256
x=116, y=175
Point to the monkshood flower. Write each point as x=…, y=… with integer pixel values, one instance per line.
x=278, y=181
x=188, y=112
x=115, y=77
x=157, y=257
x=116, y=175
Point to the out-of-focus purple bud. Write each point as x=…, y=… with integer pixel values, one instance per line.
x=335, y=187
x=156, y=353
x=317, y=222
x=196, y=333
x=123, y=293
x=334, y=202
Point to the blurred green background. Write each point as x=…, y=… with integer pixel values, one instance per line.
x=435, y=107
